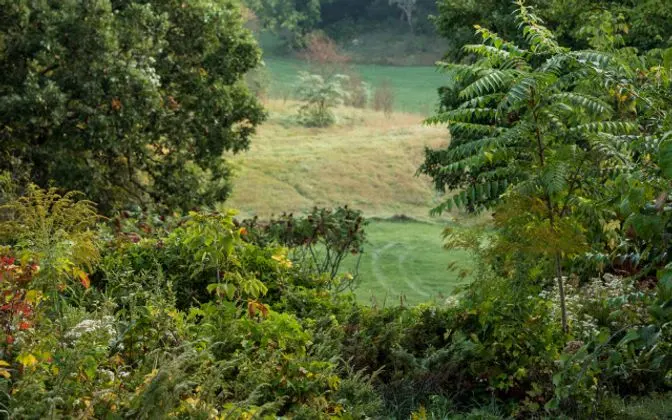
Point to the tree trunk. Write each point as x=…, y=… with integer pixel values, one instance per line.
x=561, y=288
x=409, y=18
x=551, y=220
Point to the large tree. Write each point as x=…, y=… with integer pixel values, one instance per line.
x=534, y=127
x=129, y=101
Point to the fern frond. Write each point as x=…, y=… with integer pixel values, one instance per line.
x=498, y=42
x=463, y=165
x=555, y=64
x=540, y=38
x=518, y=94
x=487, y=51
x=592, y=104
x=485, y=101
x=612, y=148
x=472, y=130
x=474, y=147
x=613, y=127
x=553, y=119
x=599, y=59
x=554, y=177
x=494, y=81
x=466, y=115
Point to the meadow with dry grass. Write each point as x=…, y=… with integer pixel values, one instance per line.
x=367, y=160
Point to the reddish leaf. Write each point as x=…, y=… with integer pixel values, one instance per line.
x=84, y=279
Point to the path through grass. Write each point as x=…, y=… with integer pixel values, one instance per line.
x=367, y=161
x=407, y=259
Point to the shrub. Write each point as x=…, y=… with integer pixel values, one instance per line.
x=178, y=322
x=383, y=98
x=324, y=56
x=359, y=92
x=318, y=242
x=320, y=95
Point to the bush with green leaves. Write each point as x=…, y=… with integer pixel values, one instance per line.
x=533, y=128
x=177, y=323
x=319, y=96
x=319, y=242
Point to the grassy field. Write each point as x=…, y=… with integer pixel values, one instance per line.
x=415, y=87
x=367, y=161
x=406, y=260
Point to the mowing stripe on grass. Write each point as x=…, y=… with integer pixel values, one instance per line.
x=411, y=285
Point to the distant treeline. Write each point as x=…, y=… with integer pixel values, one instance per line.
x=341, y=19
x=644, y=24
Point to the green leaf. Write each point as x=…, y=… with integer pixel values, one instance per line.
x=665, y=157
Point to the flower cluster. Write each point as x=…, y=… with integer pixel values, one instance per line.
x=591, y=306
x=104, y=327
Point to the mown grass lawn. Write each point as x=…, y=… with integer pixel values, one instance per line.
x=415, y=87
x=405, y=261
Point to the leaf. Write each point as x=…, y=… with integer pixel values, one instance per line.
x=26, y=359
x=33, y=297
x=631, y=335
x=84, y=279
x=665, y=157
x=227, y=290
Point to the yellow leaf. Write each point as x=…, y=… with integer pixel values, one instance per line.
x=4, y=363
x=33, y=297
x=27, y=360
x=5, y=373
x=613, y=225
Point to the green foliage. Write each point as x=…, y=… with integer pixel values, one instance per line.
x=623, y=357
x=641, y=24
x=319, y=242
x=292, y=20
x=140, y=344
x=529, y=128
x=54, y=231
x=205, y=256
x=522, y=117
x=320, y=94
x=199, y=316
x=577, y=23
x=455, y=20
x=126, y=101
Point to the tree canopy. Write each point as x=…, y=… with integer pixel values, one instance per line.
x=642, y=24
x=126, y=101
